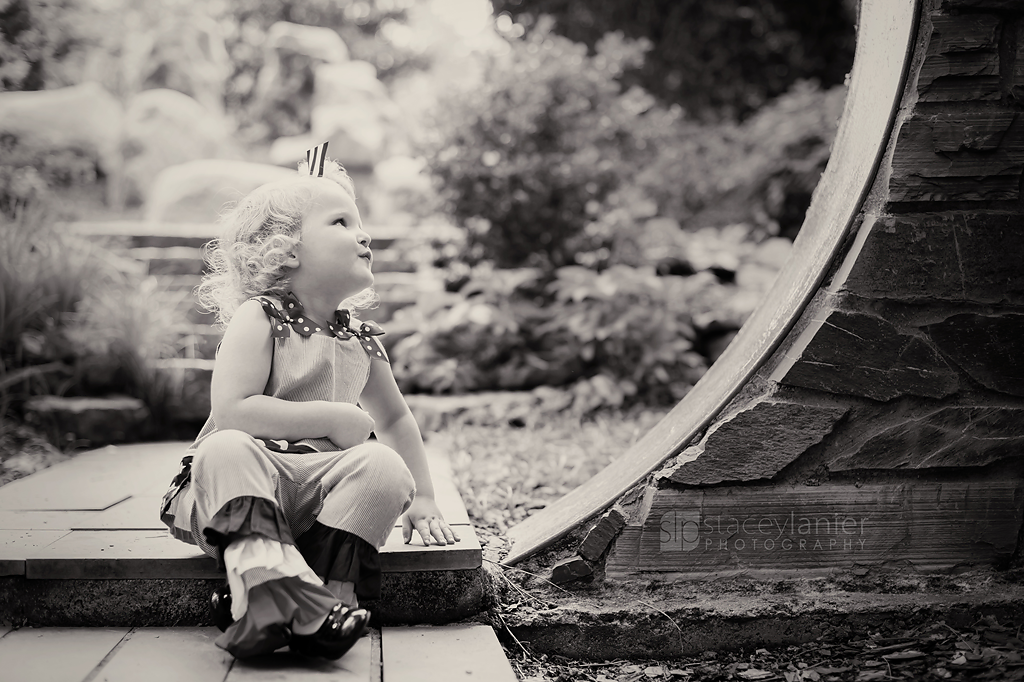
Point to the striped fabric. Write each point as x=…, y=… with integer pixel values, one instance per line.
x=315, y=159
x=362, y=490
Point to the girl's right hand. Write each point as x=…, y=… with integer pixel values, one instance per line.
x=351, y=427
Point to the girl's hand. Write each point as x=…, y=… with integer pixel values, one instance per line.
x=351, y=427
x=425, y=517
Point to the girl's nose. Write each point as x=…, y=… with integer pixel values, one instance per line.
x=363, y=237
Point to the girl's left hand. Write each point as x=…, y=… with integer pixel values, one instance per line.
x=425, y=517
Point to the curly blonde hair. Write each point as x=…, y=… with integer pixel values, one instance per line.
x=258, y=235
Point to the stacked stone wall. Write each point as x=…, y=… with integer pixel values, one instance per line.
x=895, y=408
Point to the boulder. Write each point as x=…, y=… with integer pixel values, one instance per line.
x=354, y=81
x=84, y=117
x=356, y=138
x=351, y=109
x=165, y=128
x=315, y=42
x=197, y=191
x=283, y=89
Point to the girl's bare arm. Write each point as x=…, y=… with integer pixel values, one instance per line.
x=240, y=376
x=396, y=427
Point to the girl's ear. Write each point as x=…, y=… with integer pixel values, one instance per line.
x=292, y=261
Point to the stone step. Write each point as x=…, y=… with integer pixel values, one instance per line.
x=88, y=421
x=81, y=545
x=397, y=654
x=188, y=381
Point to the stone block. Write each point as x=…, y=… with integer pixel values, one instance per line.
x=962, y=62
x=952, y=256
x=188, y=386
x=601, y=535
x=97, y=421
x=958, y=156
x=986, y=347
x=756, y=443
x=947, y=437
x=862, y=355
x=568, y=570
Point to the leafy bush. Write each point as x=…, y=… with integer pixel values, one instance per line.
x=72, y=321
x=36, y=40
x=30, y=175
x=762, y=171
x=620, y=335
x=528, y=159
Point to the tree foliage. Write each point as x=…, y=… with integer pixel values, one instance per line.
x=535, y=154
x=36, y=37
x=713, y=58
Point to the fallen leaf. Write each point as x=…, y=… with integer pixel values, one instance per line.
x=755, y=674
x=869, y=675
x=904, y=656
x=654, y=671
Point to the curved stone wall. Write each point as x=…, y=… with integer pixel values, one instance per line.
x=887, y=427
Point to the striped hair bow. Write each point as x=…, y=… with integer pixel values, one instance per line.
x=315, y=159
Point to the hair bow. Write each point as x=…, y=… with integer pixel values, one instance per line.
x=292, y=316
x=367, y=333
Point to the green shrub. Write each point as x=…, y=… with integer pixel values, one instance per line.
x=528, y=159
x=72, y=321
x=31, y=175
x=619, y=336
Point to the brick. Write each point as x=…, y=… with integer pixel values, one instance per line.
x=601, y=535
x=863, y=355
x=568, y=570
x=962, y=61
x=756, y=443
x=958, y=156
x=937, y=438
x=952, y=256
x=987, y=347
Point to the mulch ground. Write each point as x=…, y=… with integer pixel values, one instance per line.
x=987, y=650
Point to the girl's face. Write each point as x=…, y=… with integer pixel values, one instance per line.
x=334, y=251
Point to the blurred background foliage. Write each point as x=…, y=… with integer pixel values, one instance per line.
x=620, y=180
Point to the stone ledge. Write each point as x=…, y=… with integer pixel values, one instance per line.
x=662, y=621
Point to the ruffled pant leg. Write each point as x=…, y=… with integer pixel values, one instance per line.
x=364, y=494
x=243, y=526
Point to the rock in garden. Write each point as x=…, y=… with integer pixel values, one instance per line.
x=85, y=117
x=570, y=569
x=165, y=128
x=196, y=191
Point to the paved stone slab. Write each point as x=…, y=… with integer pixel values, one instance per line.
x=398, y=557
x=120, y=554
x=55, y=655
x=93, y=480
x=168, y=655
x=17, y=545
x=355, y=666
x=42, y=520
x=444, y=654
x=136, y=513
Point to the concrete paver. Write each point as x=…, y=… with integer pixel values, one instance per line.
x=55, y=654
x=449, y=654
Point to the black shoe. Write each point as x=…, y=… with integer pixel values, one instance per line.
x=339, y=633
x=220, y=607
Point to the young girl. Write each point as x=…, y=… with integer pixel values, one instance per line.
x=282, y=486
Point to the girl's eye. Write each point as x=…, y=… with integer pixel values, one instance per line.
x=342, y=222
